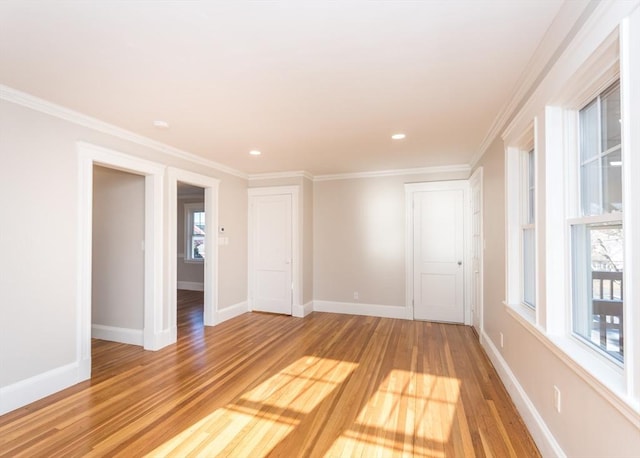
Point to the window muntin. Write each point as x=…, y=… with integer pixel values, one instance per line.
x=597, y=248
x=600, y=154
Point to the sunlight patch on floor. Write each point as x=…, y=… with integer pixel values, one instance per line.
x=382, y=430
x=263, y=416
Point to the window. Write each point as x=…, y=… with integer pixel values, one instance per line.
x=520, y=161
x=528, y=230
x=194, y=232
x=597, y=236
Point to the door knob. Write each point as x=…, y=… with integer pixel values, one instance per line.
x=459, y=263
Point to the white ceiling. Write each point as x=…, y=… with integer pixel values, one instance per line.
x=318, y=86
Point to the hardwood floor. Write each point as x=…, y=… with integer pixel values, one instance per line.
x=269, y=385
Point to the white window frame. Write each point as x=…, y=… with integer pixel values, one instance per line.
x=620, y=385
x=517, y=220
x=189, y=210
x=608, y=56
x=528, y=219
x=576, y=216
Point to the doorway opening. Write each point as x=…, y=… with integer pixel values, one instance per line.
x=191, y=254
x=117, y=270
x=198, y=246
x=153, y=335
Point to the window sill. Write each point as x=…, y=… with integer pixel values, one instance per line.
x=604, y=376
x=193, y=261
x=524, y=312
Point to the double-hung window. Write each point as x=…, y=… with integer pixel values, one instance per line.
x=597, y=235
x=528, y=230
x=521, y=223
x=195, y=232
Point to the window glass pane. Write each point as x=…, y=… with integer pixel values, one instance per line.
x=612, y=181
x=198, y=223
x=610, y=113
x=590, y=188
x=529, y=266
x=589, y=129
x=531, y=185
x=197, y=247
x=598, y=289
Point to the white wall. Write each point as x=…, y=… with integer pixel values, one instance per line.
x=117, y=298
x=359, y=238
x=39, y=269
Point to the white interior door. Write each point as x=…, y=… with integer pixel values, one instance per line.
x=271, y=253
x=438, y=252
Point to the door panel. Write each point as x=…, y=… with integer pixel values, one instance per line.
x=438, y=254
x=272, y=253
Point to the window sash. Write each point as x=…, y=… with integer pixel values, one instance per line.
x=195, y=232
x=596, y=320
x=598, y=286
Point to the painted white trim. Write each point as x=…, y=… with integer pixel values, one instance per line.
x=303, y=310
x=629, y=75
x=410, y=190
x=477, y=179
x=115, y=334
x=88, y=156
x=190, y=285
x=297, y=224
x=460, y=168
x=211, y=196
x=593, y=368
x=27, y=100
x=357, y=308
x=275, y=175
x=26, y=391
x=232, y=311
x=564, y=28
x=539, y=430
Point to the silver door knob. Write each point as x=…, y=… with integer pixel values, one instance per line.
x=459, y=263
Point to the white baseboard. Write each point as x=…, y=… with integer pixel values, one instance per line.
x=539, y=430
x=191, y=285
x=114, y=334
x=231, y=312
x=26, y=391
x=355, y=308
x=300, y=311
x=161, y=339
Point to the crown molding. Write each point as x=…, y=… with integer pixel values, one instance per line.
x=569, y=20
x=35, y=103
x=463, y=168
x=276, y=175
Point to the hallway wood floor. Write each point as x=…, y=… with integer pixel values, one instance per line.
x=269, y=385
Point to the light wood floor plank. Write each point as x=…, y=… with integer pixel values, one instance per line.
x=268, y=385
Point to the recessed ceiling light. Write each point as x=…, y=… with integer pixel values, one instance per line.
x=398, y=136
x=255, y=152
x=161, y=124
